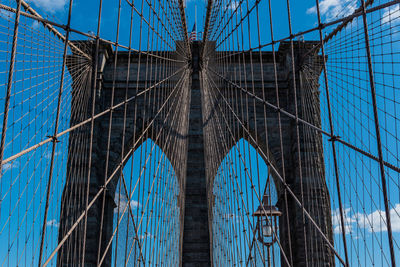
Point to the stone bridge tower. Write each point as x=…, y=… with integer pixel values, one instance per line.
x=191, y=134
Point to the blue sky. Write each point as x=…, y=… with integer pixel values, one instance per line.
x=351, y=101
x=84, y=14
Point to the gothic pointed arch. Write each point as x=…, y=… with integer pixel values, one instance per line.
x=242, y=183
x=147, y=191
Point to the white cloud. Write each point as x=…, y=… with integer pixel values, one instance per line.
x=376, y=221
x=232, y=216
x=372, y=222
x=233, y=5
x=332, y=9
x=134, y=204
x=146, y=235
x=123, y=202
x=53, y=223
x=348, y=220
x=391, y=14
x=51, y=6
x=338, y=229
x=47, y=154
x=10, y=165
x=35, y=25
x=6, y=13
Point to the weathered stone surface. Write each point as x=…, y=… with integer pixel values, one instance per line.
x=196, y=239
x=196, y=168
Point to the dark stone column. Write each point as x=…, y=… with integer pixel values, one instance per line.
x=307, y=246
x=139, y=113
x=196, y=240
x=73, y=200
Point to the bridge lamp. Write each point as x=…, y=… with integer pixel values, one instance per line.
x=267, y=222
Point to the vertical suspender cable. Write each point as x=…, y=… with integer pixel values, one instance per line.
x=54, y=138
x=94, y=84
x=333, y=139
x=378, y=135
x=8, y=93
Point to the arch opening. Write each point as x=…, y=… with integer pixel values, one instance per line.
x=240, y=183
x=146, y=225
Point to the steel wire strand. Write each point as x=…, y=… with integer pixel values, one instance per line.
x=18, y=200
x=65, y=99
x=52, y=23
x=251, y=67
x=315, y=29
x=216, y=152
x=246, y=169
x=148, y=157
x=100, y=191
x=100, y=114
x=289, y=189
x=300, y=120
x=242, y=159
x=20, y=195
